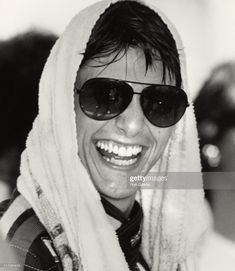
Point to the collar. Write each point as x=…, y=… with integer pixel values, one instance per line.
x=129, y=233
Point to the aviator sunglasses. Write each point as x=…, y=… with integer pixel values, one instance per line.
x=106, y=98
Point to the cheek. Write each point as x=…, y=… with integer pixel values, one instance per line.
x=161, y=136
x=86, y=129
x=166, y=134
x=85, y=126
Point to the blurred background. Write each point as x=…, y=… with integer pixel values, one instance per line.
x=206, y=26
x=22, y=59
x=28, y=30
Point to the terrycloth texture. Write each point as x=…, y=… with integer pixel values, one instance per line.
x=56, y=184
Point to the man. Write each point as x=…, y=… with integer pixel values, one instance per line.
x=111, y=106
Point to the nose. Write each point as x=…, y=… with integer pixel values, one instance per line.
x=131, y=121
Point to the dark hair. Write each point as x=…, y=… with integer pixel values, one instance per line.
x=130, y=24
x=215, y=104
x=215, y=114
x=215, y=109
x=21, y=62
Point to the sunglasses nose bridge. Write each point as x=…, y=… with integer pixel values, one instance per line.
x=131, y=121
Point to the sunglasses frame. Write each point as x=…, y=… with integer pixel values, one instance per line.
x=129, y=82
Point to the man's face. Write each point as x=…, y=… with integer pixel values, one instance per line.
x=128, y=135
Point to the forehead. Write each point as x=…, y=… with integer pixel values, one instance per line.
x=130, y=66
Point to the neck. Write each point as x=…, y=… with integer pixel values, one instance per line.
x=124, y=205
x=223, y=208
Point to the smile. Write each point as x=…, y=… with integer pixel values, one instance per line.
x=118, y=154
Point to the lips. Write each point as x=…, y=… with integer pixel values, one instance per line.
x=118, y=154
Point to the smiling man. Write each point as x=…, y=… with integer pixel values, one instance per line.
x=112, y=106
x=120, y=134
x=123, y=142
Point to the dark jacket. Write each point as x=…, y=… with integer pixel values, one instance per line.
x=31, y=245
x=34, y=249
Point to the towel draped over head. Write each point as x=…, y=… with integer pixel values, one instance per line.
x=57, y=186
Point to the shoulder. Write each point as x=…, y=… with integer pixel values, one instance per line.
x=30, y=245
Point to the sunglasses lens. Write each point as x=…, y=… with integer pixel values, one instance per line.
x=163, y=105
x=103, y=99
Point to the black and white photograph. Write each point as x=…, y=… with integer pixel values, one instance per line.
x=117, y=135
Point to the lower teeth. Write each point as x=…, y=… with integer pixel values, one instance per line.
x=120, y=162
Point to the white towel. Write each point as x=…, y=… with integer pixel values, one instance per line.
x=57, y=186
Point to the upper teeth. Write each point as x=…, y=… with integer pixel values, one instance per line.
x=119, y=150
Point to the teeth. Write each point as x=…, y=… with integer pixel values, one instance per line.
x=136, y=150
x=110, y=149
x=120, y=162
x=122, y=151
x=115, y=149
x=129, y=151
